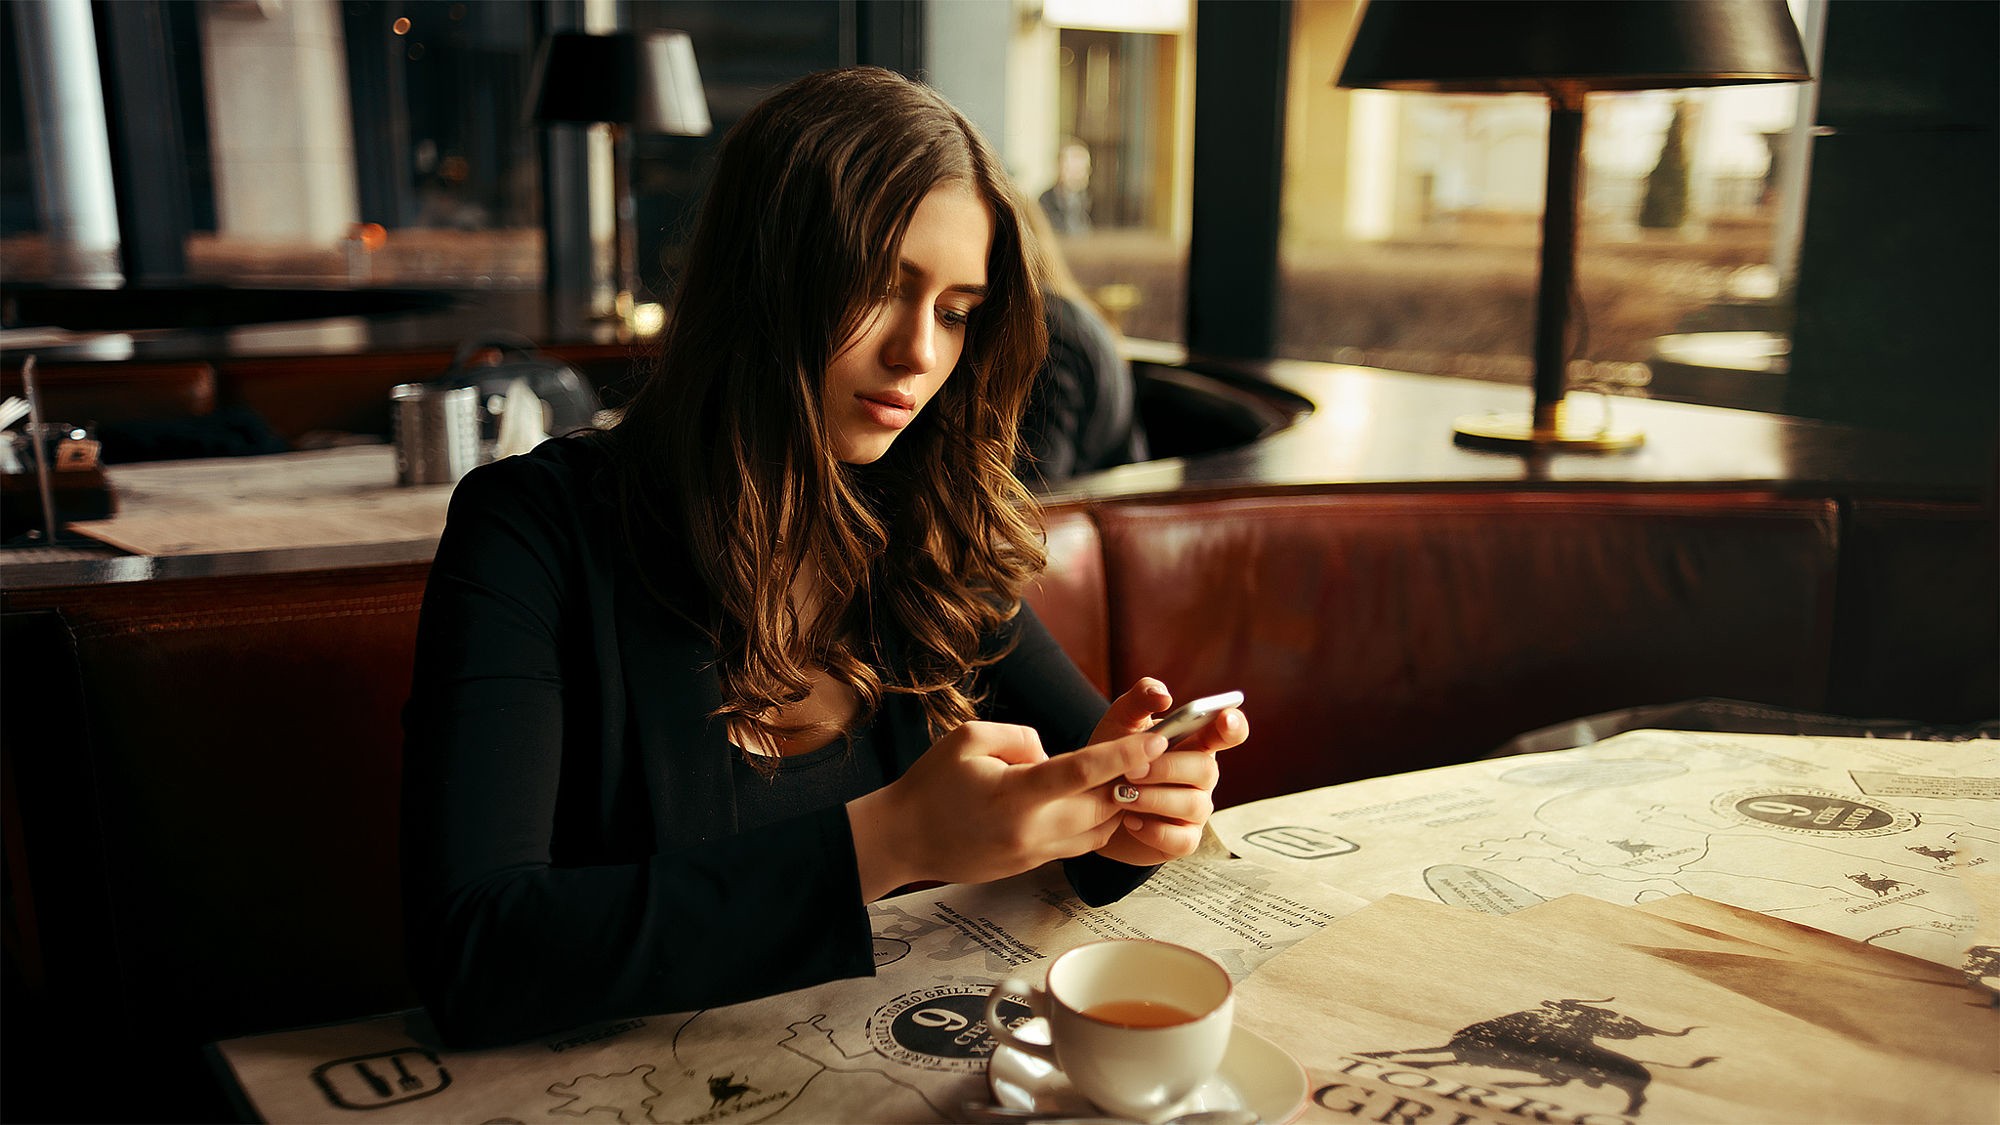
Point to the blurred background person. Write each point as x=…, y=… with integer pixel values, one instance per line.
x=1082, y=412
x=1066, y=204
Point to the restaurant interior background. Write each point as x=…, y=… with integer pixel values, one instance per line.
x=372, y=143
x=1818, y=252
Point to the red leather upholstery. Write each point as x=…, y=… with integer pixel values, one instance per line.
x=350, y=393
x=241, y=738
x=1069, y=595
x=1919, y=623
x=332, y=393
x=1377, y=633
x=124, y=392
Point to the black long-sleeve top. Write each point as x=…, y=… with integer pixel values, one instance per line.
x=570, y=843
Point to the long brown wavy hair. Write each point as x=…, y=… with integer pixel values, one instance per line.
x=725, y=458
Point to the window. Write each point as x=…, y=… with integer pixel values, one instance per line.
x=407, y=116
x=1411, y=227
x=358, y=143
x=1090, y=103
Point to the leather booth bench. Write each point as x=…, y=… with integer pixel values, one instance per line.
x=201, y=774
x=294, y=395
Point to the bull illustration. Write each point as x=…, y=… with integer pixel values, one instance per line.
x=1982, y=961
x=1880, y=884
x=726, y=1088
x=1939, y=854
x=1557, y=1043
x=1634, y=847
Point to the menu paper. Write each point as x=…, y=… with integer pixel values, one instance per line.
x=1799, y=828
x=317, y=498
x=1581, y=1012
x=909, y=1044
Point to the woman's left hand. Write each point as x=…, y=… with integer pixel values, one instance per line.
x=1176, y=793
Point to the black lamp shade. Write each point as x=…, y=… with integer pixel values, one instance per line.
x=1527, y=46
x=647, y=81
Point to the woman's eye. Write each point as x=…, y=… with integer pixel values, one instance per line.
x=953, y=318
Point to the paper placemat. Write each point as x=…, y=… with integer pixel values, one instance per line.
x=322, y=498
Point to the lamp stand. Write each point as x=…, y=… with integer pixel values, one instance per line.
x=624, y=236
x=1548, y=427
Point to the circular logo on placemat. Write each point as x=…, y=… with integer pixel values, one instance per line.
x=1814, y=812
x=941, y=1028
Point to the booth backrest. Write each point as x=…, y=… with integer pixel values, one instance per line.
x=1381, y=633
x=293, y=395
x=1070, y=595
x=207, y=836
x=1915, y=633
x=124, y=392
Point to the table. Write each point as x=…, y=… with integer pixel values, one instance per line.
x=1367, y=429
x=307, y=510
x=1331, y=908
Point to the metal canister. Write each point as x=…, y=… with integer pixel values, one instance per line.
x=437, y=432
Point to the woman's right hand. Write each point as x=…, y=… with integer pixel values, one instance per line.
x=985, y=802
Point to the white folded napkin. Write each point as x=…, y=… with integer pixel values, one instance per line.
x=522, y=424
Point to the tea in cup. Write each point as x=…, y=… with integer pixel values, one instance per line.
x=1136, y=1026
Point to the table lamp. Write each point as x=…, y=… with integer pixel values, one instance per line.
x=1566, y=50
x=632, y=81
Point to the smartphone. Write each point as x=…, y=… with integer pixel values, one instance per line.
x=1192, y=716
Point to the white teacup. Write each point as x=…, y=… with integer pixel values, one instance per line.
x=1136, y=1026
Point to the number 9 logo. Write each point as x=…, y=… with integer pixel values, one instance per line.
x=939, y=1018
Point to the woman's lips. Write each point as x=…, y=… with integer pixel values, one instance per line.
x=888, y=409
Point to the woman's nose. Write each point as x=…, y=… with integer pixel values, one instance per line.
x=911, y=342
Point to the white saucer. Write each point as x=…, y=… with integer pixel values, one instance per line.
x=1256, y=1074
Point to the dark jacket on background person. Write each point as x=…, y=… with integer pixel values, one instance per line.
x=1082, y=414
x=573, y=837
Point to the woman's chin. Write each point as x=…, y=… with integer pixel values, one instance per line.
x=863, y=451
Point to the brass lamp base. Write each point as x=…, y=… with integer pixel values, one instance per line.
x=1518, y=433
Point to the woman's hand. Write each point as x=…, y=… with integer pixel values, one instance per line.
x=1176, y=791
x=986, y=801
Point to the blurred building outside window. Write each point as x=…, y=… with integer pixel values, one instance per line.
x=340, y=143
x=1411, y=224
x=1098, y=131
x=383, y=142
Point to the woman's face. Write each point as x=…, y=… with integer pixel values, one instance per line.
x=909, y=343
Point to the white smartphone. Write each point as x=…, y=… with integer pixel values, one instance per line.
x=1192, y=716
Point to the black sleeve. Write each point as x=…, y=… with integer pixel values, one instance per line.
x=1038, y=685
x=503, y=758
x=1052, y=426
x=1082, y=412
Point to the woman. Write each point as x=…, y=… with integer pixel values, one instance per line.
x=691, y=693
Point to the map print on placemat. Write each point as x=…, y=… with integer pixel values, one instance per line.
x=912, y=1043
x=908, y=1044
x=1770, y=823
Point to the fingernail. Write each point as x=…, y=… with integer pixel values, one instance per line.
x=1156, y=745
x=1134, y=823
x=1139, y=774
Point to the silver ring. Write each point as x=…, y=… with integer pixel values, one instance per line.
x=1125, y=793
